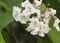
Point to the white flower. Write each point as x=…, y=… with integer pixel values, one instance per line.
x=34, y=20
x=30, y=27
x=53, y=12
x=57, y=21
x=37, y=2
x=29, y=6
x=50, y=12
x=24, y=16
x=38, y=25
x=23, y=19
x=41, y=33
x=16, y=13
x=33, y=26
x=25, y=3
x=44, y=28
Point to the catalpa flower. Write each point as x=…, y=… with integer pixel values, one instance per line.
x=38, y=21
x=29, y=6
x=34, y=26
x=24, y=16
x=16, y=13
x=44, y=29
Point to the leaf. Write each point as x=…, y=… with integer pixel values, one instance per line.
x=5, y=20
x=1, y=38
x=1, y=12
x=54, y=35
x=11, y=3
x=7, y=16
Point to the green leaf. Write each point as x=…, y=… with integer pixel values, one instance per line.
x=54, y=35
x=1, y=12
x=1, y=38
x=7, y=15
x=11, y=3
x=5, y=20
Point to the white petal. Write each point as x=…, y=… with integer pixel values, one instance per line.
x=38, y=2
x=41, y=23
x=29, y=6
x=34, y=20
x=35, y=31
x=45, y=29
x=53, y=12
x=16, y=13
x=23, y=19
x=47, y=14
x=30, y=27
x=41, y=34
x=25, y=3
x=57, y=21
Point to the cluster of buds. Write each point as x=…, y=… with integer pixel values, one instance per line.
x=31, y=14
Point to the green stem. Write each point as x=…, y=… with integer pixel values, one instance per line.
x=1, y=38
x=15, y=37
x=13, y=34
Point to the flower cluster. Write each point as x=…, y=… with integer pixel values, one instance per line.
x=39, y=24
